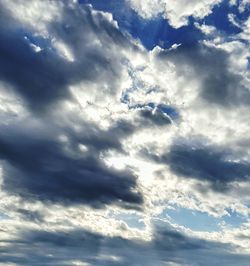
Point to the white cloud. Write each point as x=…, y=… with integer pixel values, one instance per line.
x=246, y=30
x=35, y=14
x=177, y=12
x=170, y=77
x=244, y=4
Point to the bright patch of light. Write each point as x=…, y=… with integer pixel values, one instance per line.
x=63, y=50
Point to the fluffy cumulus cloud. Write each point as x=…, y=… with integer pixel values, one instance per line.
x=177, y=12
x=112, y=153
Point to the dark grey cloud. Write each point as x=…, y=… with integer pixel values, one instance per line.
x=37, y=165
x=204, y=162
x=42, y=78
x=35, y=247
x=51, y=248
x=31, y=216
x=207, y=163
x=220, y=85
x=152, y=114
x=155, y=116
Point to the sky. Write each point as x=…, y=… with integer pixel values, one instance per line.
x=124, y=132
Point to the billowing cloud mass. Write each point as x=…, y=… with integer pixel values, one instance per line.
x=124, y=132
x=177, y=12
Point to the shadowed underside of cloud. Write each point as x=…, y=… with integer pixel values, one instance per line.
x=66, y=247
x=152, y=114
x=216, y=165
x=36, y=164
x=43, y=77
x=219, y=85
x=207, y=163
x=43, y=168
x=155, y=116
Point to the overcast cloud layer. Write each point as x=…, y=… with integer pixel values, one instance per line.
x=124, y=132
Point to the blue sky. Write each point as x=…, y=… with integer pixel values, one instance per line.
x=124, y=132
x=201, y=221
x=157, y=30
x=152, y=32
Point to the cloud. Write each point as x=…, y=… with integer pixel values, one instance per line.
x=177, y=13
x=204, y=162
x=155, y=116
x=29, y=215
x=60, y=157
x=88, y=136
x=43, y=167
x=65, y=247
x=63, y=56
x=218, y=83
x=207, y=163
